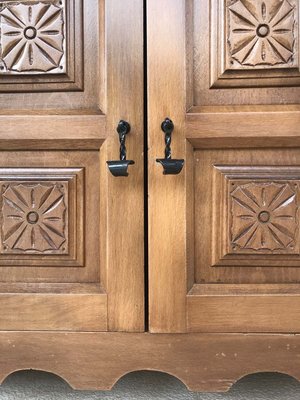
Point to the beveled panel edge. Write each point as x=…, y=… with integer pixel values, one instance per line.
x=51, y=288
x=229, y=289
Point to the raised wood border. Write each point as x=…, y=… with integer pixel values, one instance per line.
x=96, y=361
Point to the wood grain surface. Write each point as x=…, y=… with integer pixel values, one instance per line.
x=73, y=227
x=96, y=361
x=243, y=106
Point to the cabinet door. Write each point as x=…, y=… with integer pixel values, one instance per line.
x=71, y=255
x=224, y=233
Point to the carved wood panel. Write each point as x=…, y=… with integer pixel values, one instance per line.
x=261, y=34
x=247, y=208
x=40, y=215
x=38, y=39
x=76, y=175
x=254, y=43
x=263, y=216
x=34, y=217
x=33, y=37
x=259, y=216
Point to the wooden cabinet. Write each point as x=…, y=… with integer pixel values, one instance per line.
x=188, y=263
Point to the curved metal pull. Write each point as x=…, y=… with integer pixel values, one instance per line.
x=120, y=167
x=170, y=166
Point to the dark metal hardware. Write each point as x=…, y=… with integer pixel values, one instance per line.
x=170, y=165
x=120, y=167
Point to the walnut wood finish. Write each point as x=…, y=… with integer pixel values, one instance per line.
x=231, y=216
x=202, y=362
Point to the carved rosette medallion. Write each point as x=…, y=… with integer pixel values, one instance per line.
x=261, y=33
x=264, y=217
x=32, y=37
x=34, y=218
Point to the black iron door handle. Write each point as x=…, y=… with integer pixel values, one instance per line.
x=170, y=165
x=120, y=167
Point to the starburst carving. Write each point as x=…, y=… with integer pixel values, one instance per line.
x=262, y=33
x=264, y=216
x=32, y=36
x=33, y=217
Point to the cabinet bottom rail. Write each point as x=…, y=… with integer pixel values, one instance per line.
x=96, y=361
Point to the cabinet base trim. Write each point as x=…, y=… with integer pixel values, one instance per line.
x=96, y=361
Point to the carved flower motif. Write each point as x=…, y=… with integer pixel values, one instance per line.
x=31, y=36
x=33, y=217
x=261, y=32
x=264, y=216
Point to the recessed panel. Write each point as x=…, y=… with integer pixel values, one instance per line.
x=259, y=217
x=33, y=37
x=52, y=46
x=38, y=51
x=236, y=45
x=261, y=34
x=49, y=217
x=263, y=217
x=41, y=212
x=34, y=217
x=247, y=216
x=255, y=40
